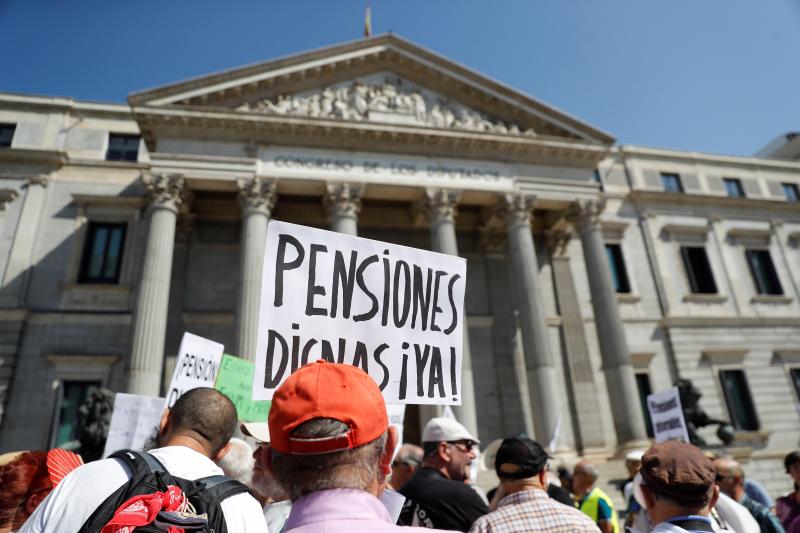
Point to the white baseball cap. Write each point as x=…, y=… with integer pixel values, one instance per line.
x=257, y=430
x=446, y=430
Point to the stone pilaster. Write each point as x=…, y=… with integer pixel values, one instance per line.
x=620, y=379
x=539, y=364
x=440, y=209
x=343, y=204
x=257, y=199
x=20, y=257
x=581, y=385
x=166, y=193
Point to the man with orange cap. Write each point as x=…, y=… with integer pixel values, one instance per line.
x=331, y=448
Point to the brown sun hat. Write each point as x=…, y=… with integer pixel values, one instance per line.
x=680, y=472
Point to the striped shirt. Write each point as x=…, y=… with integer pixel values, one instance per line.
x=533, y=510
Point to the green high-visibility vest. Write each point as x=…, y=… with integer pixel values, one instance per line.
x=590, y=506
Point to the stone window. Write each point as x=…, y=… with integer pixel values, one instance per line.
x=671, y=182
x=102, y=253
x=733, y=186
x=122, y=147
x=619, y=275
x=698, y=270
x=6, y=134
x=741, y=409
x=765, y=278
x=69, y=420
x=790, y=190
x=645, y=390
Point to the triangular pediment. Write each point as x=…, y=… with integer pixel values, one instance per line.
x=386, y=98
x=383, y=79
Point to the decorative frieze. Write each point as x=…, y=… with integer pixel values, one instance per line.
x=392, y=100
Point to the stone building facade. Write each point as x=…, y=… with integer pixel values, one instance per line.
x=596, y=272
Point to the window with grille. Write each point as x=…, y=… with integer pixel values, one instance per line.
x=698, y=270
x=645, y=390
x=102, y=253
x=7, y=134
x=765, y=278
x=734, y=187
x=671, y=182
x=619, y=275
x=738, y=399
x=122, y=147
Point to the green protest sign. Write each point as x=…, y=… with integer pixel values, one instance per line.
x=235, y=380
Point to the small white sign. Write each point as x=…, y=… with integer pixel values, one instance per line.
x=196, y=366
x=394, y=311
x=396, y=413
x=666, y=414
x=134, y=420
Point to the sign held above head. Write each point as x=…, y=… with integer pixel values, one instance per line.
x=395, y=312
x=197, y=365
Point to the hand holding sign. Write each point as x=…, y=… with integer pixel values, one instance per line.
x=396, y=312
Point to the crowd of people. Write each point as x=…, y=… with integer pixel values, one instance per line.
x=328, y=460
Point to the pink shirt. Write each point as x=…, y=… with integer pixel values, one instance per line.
x=342, y=511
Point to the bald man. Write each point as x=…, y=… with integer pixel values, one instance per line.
x=730, y=478
x=591, y=500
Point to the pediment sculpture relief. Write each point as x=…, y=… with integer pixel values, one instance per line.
x=387, y=101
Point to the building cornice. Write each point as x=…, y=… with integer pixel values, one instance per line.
x=32, y=157
x=729, y=322
x=750, y=163
x=327, y=133
x=58, y=103
x=708, y=200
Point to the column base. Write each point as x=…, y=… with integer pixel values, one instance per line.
x=632, y=445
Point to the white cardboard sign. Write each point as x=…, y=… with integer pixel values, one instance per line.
x=666, y=413
x=133, y=421
x=197, y=366
x=394, y=311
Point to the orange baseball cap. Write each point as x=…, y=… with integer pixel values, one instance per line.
x=326, y=390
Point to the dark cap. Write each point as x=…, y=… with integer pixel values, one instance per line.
x=525, y=454
x=680, y=472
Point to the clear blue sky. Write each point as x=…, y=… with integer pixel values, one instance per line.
x=718, y=76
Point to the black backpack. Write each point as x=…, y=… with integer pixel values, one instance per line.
x=150, y=476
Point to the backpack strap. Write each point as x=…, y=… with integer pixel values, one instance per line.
x=139, y=463
x=222, y=487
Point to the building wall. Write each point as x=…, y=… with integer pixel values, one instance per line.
x=65, y=330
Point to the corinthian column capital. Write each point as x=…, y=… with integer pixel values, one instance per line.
x=165, y=190
x=440, y=204
x=586, y=212
x=257, y=195
x=343, y=199
x=518, y=208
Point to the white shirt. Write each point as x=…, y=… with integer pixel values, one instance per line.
x=74, y=500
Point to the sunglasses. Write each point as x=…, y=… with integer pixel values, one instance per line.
x=464, y=446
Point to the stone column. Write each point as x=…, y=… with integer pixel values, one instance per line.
x=150, y=315
x=540, y=367
x=440, y=210
x=620, y=379
x=257, y=199
x=343, y=203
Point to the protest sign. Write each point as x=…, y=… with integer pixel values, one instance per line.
x=196, y=366
x=135, y=419
x=396, y=312
x=667, y=415
x=235, y=380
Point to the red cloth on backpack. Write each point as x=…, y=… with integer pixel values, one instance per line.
x=143, y=509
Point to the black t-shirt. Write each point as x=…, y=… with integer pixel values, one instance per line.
x=434, y=501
